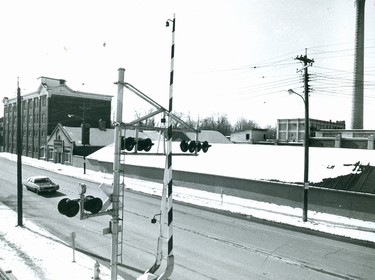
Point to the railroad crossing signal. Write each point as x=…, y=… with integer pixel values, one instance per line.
x=71, y=207
x=68, y=207
x=193, y=146
x=92, y=204
x=142, y=144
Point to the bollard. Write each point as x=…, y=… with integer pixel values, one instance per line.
x=97, y=271
x=73, y=235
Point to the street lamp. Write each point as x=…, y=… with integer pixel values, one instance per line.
x=83, y=137
x=306, y=150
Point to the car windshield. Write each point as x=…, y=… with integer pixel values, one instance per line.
x=42, y=180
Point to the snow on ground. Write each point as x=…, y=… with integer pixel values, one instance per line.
x=260, y=162
x=18, y=253
x=33, y=253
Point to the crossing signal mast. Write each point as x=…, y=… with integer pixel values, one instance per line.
x=124, y=145
x=86, y=205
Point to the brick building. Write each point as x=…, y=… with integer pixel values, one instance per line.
x=54, y=102
x=293, y=130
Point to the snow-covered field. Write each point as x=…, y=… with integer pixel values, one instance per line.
x=20, y=248
x=262, y=162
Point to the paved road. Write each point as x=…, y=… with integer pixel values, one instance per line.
x=208, y=245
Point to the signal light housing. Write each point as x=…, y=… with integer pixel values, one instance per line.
x=184, y=146
x=92, y=204
x=142, y=144
x=194, y=146
x=128, y=143
x=71, y=207
x=205, y=146
x=68, y=207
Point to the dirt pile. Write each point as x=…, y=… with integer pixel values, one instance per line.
x=361, y=179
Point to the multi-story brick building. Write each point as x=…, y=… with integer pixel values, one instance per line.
x=53, y=103
x=293, y=130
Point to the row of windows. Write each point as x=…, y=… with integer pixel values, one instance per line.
x=27, y=104
x=13, y=119
x=301, y=126
x=30, y=133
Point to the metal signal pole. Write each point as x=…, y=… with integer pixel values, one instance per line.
x=115, y=228
x=168, y=181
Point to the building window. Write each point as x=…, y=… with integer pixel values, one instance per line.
x=42, y=152
x=67, y=157
x=43, y=118
x=247, y=136
x=50, y=153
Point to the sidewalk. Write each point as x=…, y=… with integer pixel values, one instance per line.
x=32, y=253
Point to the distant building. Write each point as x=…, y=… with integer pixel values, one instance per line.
x=293, y=130
x=65, y=142
x=324, y=134
x=54, y=102
x=251, y=136
x=345, y=138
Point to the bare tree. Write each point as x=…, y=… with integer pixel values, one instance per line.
x=221, y=124
x=243, y=124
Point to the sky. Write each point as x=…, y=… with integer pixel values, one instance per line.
x=233, y=58
x=18, y=244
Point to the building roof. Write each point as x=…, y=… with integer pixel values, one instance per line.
x=249, y=130
x=313, y=120
x=211, y=136
x=105, y=137
x=52, y=86
x=97, y=137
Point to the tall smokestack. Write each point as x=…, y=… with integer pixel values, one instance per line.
x=357, y=105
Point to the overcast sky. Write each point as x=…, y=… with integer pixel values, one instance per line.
x=234, y=57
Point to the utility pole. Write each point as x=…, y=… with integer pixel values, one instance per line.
x=306, y=62
x=19, y=158
x=85, y=139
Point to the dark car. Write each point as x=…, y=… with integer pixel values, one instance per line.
x=40, y=184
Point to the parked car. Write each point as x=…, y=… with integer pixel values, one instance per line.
x=40, y=184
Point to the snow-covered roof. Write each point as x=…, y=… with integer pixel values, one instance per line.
x=97, y=137
x=211, y=136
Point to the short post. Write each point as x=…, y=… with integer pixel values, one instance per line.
x=73, y=235
x=222, y=196
x=96, y=271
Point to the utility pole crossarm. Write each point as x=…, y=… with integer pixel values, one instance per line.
x=305, y=60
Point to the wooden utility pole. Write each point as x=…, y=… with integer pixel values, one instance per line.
x=306, y=62
x=19, y=158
